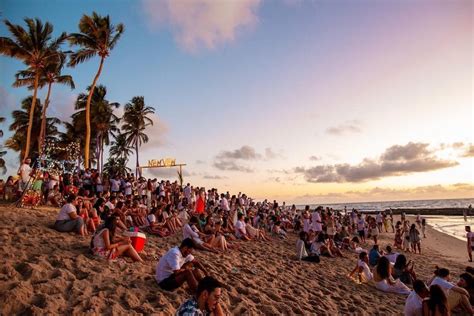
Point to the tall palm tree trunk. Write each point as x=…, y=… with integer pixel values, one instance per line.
x=32, y=111
x=138, y=170
x=97, y=150
x=101, y=155
x=88, y=116
x=42, y=136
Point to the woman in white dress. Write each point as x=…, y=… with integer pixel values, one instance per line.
x=384, y=280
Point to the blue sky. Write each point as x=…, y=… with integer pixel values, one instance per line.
x=342, y=81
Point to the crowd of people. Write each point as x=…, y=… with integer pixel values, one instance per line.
x=103, y=208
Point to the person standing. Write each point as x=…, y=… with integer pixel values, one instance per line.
x=24, y=172
x=470, y=242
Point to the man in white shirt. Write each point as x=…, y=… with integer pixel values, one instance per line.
x=457, y=296
x=414, y=301
x=115, y=185
x=178, y=266
x=68, y=220
x=240, y=231
x=224, y=203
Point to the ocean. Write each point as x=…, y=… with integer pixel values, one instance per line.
x=450, y=225
x=376, y=206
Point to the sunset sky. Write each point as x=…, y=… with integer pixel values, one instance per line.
x=302, y=101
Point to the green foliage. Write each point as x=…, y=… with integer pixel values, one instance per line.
x=20, y=125
x=115, y=166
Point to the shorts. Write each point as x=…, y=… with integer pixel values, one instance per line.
x=169, y=284
x=361, y=233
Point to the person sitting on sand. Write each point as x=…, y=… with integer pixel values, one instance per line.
x=191, y=231
x=391, y=256
x=320, y=246
x=178, y=266
x=414, y=301
x=362, y=268
x=301, y=249
x=55, y=197
x=436, y=304
x=68, y=220
x=458, y=298
x=206, y=300
x=240, y=231
x=384, y=280
x=278, y=231
x=403, y=270
x=105, y=244
x=255, y=233
x=374, y=255
x=466, y=281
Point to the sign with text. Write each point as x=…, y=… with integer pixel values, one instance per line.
x=167, y=162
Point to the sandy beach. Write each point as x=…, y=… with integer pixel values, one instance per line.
x=46, y=272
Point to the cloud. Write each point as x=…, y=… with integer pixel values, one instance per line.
x=226, y=160
x=7, y=103
x=469, y=152
x=270, y=154
x=231, y=166
x=244, y=153
x=353, y=126
x=62, y=106
x=395, y=161
x=314, y=158
x=200, y=162
x=157, y=133
x=201, y=24
x=457, y=190
x=216, y=177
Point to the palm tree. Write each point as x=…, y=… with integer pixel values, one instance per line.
x=3, y=169
x=115, y=166
x=120, y=148
x=50, y=74
x=104, y=121
x=135, y=121
x=98, y=37
x=36, y=49
x=21, y=124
